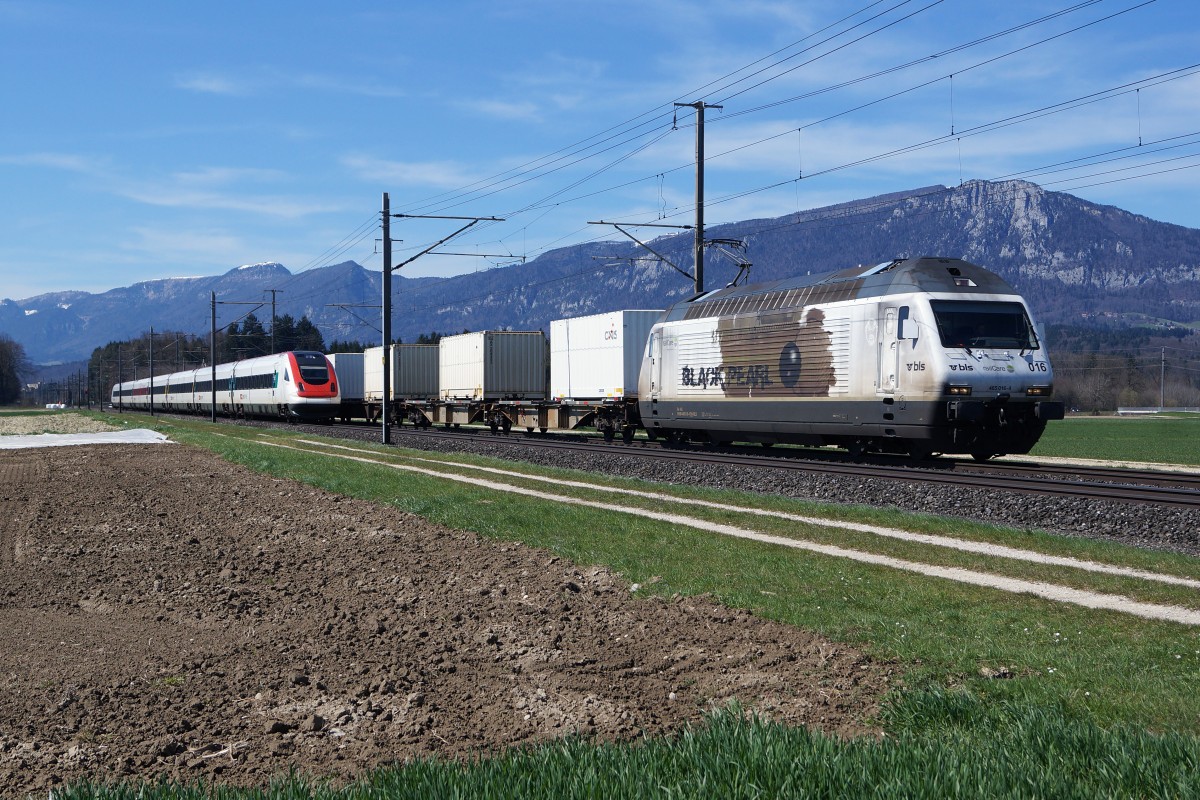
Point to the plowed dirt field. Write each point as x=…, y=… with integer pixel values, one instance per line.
x=164, y=613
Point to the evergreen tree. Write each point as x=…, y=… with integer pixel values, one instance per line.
x=308, y=337
x=252, y=339
x=285, y=333
x=353, y=346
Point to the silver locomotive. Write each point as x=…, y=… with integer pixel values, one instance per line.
x=918, y=356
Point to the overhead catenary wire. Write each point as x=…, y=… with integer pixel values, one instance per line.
x=907, y=64
x=929, y=143
x=649, y=118
x=732, y=79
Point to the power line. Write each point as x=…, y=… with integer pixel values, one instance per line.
x=625, y=134
x=654, y=115
x=981, y=40
x=978, y=130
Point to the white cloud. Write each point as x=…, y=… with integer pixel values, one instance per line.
x=260, y=79
x=196, y=246
x=213, y=84
x=178, y=196
x=557, y=70
x=434, y=174
x=522, y=110
x=223, y=176
x=64, y=161
x=328, y=83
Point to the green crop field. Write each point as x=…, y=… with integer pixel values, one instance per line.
x=1166, y=439
x=1100, y=703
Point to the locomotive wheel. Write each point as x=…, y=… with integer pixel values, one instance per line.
x=627, y=434
x=981, y=455
x=857, y=450
x=609, y=433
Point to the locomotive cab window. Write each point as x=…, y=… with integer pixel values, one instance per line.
x=965, y=323
x=313, y=369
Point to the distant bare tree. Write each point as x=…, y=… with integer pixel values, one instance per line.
x=1096, y=386
x=14, y=366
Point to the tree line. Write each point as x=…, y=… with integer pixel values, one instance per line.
x=1098, y=370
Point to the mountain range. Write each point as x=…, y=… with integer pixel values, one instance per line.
x=1075, y=261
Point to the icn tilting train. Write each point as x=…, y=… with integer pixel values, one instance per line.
x=918, y=356
x=297, y=385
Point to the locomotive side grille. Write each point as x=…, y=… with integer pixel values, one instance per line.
x=819, y=294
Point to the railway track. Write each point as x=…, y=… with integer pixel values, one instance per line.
x=1178, y=490
x=1169, y=489
x=1137, y=507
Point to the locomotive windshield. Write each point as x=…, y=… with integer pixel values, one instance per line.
x=313, y=369
x=965, y=323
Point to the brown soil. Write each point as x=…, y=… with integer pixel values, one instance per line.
x=164, y=613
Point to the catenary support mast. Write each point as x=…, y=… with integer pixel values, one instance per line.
x=698, y=274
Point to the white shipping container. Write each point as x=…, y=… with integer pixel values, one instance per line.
x=598, y=357
x=414, y=372
x=493, y=365
x=349, y=370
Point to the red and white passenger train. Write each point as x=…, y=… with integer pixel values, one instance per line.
x=298, y=385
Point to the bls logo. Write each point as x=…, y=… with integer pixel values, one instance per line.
x=962, y=367
x=610, y=336
x=919, y=366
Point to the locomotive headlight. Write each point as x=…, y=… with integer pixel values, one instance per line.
x=958, y=390
x=1037, y=391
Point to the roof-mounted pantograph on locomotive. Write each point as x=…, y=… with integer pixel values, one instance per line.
x=918, y=356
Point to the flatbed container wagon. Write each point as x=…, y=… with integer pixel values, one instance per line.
x=413, y=379
x=594, y=366
x=598, y=357
x=492, y=365
x=349, y=370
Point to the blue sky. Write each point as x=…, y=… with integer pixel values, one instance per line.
x=146, y=140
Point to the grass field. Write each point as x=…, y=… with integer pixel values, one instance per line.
x=1100, y=703
x=1163, y=439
